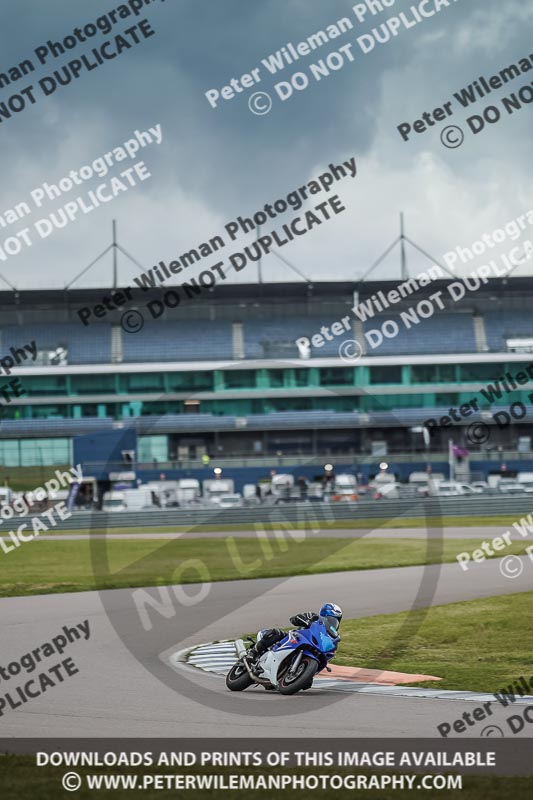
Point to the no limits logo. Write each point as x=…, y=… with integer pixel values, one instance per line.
x=188, y=598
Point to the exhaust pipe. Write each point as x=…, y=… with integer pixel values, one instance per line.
x=241, y=652
x=240, y=648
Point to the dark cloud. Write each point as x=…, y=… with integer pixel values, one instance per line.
x=214, y=164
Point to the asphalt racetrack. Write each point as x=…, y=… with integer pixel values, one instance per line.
x=122, y=693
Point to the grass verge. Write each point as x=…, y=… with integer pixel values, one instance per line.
x=39, y=567
x=354, y=524
x=478, y=645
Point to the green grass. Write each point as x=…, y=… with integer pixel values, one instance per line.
x=38, y=567
x=357, y=524
x=20, y=779
x=478, y=645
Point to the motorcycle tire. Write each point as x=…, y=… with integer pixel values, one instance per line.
x=238, y=678
x=290, y=684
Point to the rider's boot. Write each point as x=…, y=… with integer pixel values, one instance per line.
x=269, y=638
x=253, y=653
x=257, y=650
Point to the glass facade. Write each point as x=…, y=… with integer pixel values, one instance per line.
x=35, y=452
x=126, y=395
x=152, y=448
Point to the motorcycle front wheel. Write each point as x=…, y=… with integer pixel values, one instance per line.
x=291, y=683
x=238, y=678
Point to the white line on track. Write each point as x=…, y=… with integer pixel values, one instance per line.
x=217, y=658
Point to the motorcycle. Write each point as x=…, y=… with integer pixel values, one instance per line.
x=288, y=666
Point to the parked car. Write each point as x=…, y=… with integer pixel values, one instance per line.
x=449, y=489
x=525, y=479
x=345, y=489
x=230, y=501
x=390, y=491
x=294, y=498
x=482, y=487
x=250, y=495
x=425, y=483
x=188, y=491
x=114, y=501
x=470, y=488
x=406, y=492
x=510, y=486
x=128, y=500
x=214, y=489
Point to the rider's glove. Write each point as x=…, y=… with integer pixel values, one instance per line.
x=304, y=619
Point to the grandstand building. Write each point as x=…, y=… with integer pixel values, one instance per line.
x=223, y=375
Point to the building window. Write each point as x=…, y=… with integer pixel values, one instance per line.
x=385, y=375
x=191, y=381
x=239, y=379
x=336, y=376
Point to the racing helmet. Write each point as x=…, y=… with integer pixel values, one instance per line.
x=331, y=615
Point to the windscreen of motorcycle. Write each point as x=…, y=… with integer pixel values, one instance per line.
x=331, y=624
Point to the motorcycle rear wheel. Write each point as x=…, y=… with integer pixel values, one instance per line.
x=238, y=678
x=290, y=684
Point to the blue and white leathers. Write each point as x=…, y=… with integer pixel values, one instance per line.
x=313, y=641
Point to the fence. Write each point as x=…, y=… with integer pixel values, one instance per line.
x=482, y=505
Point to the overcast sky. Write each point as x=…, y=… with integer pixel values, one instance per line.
x=215, y=164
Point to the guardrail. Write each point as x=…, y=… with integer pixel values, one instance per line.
x=323, y=513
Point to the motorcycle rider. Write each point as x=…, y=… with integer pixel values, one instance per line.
x=330, y=615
